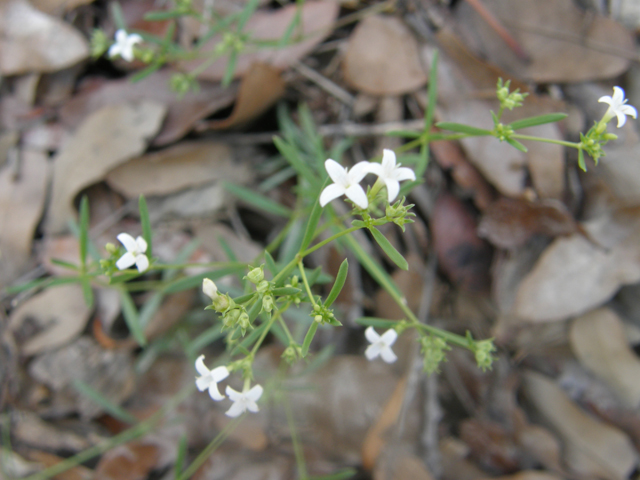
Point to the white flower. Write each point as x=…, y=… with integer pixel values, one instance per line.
x=391, y=174
x=346, y=182
x=124, y=45
x=617, y=107
x=243, y=401
x=381, y=344
x=135, y=253
x=209, y=378
x=209, y=288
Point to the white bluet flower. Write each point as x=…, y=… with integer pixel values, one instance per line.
x=617, y=107
x=346, y=182
x=243, y=401
x=381, y=344
x=209, y=379
x=124, y=45
x=391, y=174
x=135, y=253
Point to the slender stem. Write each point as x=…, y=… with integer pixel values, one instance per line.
x=546, y=140
x=328, y=240
x=306, y=283
x=297, y=447
x=256, y=346
x=168, y=266
x=284, y=326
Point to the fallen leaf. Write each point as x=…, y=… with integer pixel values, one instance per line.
x=105, y=139
x=599, y=342
x=509, y=223
x=176, y=168
x=32, y=41
x=591, y=447
x=78, y=472
x=260, y=88
x=50, y=319
x=382, y=57
x=131, y=461
x=541, y=444
x=316, y=19
x=29, y=428
x=21, y=204
x=564, y=42
x=490, y=444
x=401, y=464
x=108, y=372
x=574, y=274
x=455, y=463
x=182, y=113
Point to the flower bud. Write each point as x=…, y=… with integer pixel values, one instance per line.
x=243, y=322
x=263, y=286
x=267, y=303
x=209, y=288
x=256, y=275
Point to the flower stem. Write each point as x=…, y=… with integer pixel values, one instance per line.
x=546, y=140
x=328, y=240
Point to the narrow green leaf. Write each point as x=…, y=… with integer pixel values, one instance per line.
x=230, y=69
x=64, y=264
x=312, y=224
x=255, y=309
x=581, y=164
x=249, y=339
x=181, y=456
x=124, y=277
x=284, y=274
x=159, y=16
x=270, y=263
x=458, y=127
x=539, y=120
x=205, y=339
x=228, y=251
x=42, y=283
x=389, y=249
x=87, y=292
x=313, y=275
x=376, y=322
x=84, y=231
x=341, y=277
x=291, y=154
x=98, y=398
x=308, y=338
x=146, y=224
x=145, y=72
x=150, y=308
x=257, y=200
x=516, y=144
x=130, y=314
x=195, y=281
x=118, y=16
x=244, y=298
x=432, y=93
x=248, y=10
x=286, y=291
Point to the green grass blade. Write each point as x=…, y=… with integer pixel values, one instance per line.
x=460, y=128
x=516, y=144
x=539, y=120
x=106, y=404
x=389, y=249
x=84, y=231
x=131, y=318
x=308, y=338
x=257, y=200
x=310, y=231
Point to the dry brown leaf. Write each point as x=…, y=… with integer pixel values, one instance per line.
x=184, y=165
x=564, y=42
x=540, y=443
x=382, y=57
x=599, y=342
x=32, y=41
x=49, y=320
x=260, y=88
x=21, y=204
x=591, y=447
x=490, y=444
x=182, y=113
x=78, y=472
x=401, y=464
x=108, y=372
x=316, y=19
x=462, y=255
x=510, y=223
x=105, y=139
x=131, y=461
x=31, y=430
x=574, y=275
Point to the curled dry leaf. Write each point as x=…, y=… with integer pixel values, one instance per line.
x=591, y=447
x=49, y=320
x=176, y=168
x=105, y=139
x=316, y=19
x=599, y=342
x=382, y=57
x=32, y=41
x=21, y=204
x=564, y=42
x=574, y=274
x=510, y=223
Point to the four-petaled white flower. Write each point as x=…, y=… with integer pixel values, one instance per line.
x=135, y=253
x=617, y=107
x=124, y=45
x=243, y=401
x=209, y=379
x=381, y=344
x=346, y=182
x=391, y=174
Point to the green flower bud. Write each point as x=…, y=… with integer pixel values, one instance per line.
x=262, y=287
x=483, y=350
x=110, y=248
x=267, y=303
x=256, y=275
x=99, y=43
x=244, y=323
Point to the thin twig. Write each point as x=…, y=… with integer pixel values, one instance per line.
x=324, y=83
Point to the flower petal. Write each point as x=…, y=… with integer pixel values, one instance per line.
x=372, y=351
x=129, y=243
x=220, y=373
x=134, y=38
x=393, y=188
x=376, y=169
x=371, y=335
x=121, y=36
x=331, y=192
x=404, y=173
x=252, y=406
x=254, y=394
x=125, y=261
x=337, y=172
x=142, y=263
x=232, y=394
x=201, y=368
x=214, y=393
x=358, y=172
x=236, y=410
x=629, y=110
x=356, y=194
x=606, y=99
x=114, y=50
x=202, y=383
x=389, y=337
x=141, y=243
x=388, y=160
x=618, y=96
x=387, y=355
x=622, y=118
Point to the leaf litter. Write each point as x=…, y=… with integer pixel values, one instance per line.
x=528, y=250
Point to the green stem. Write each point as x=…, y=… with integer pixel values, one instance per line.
x=303, y=276
x=546, y=140
x=328, y=240
x=256, y=346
